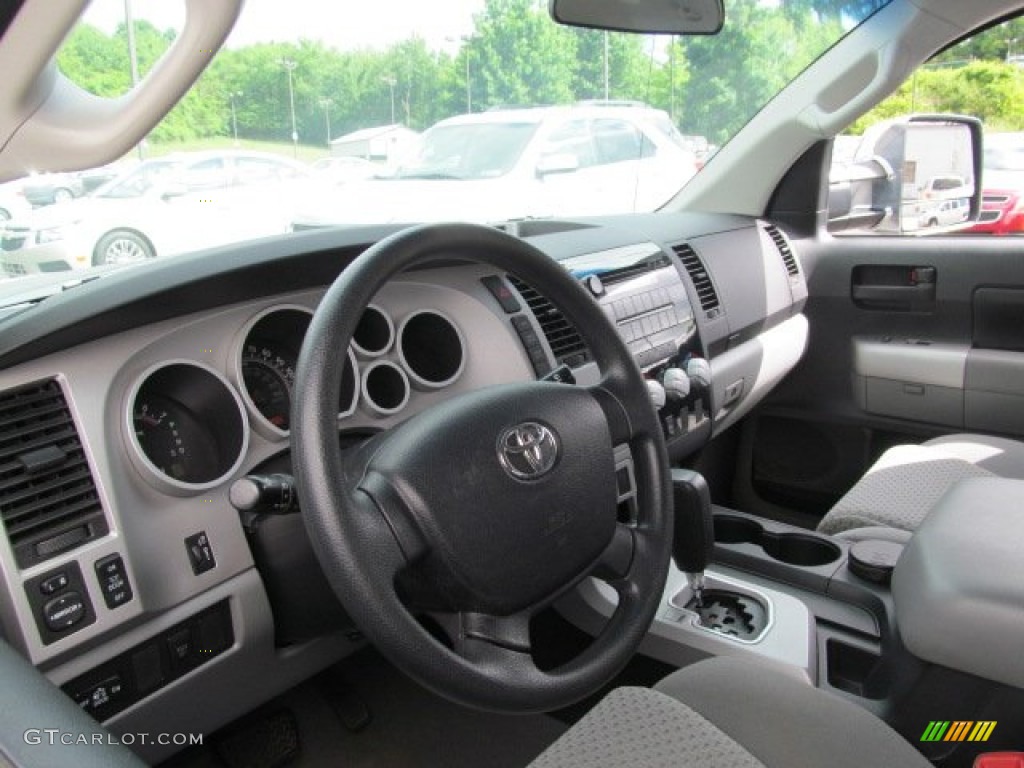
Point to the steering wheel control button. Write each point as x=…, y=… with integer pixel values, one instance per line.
x=113, y=580
x=64, y=612
x=54, y=583
x=528, y=451
x=200, y=553
x=501, y=291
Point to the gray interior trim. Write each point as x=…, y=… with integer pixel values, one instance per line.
x=673, y=638
x=911, y=360
x=46, y=728
x=959, y=584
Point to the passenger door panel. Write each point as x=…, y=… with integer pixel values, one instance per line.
x=910, y=338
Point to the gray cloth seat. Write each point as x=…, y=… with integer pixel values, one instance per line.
x=729, y=713
x=901, y=488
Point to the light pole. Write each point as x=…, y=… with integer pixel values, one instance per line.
x=325, y=104
x=290, y=66
x=464, y=42
x=133, y=57
x=1009, y=49
x=234, y=118
x=606, y=89
x=391, y=82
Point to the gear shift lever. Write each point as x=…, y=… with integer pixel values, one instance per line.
x=694, y=531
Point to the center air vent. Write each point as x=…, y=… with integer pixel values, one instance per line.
x=564, y=340
x=701, y=279
x=48, y=500
x=784, y=250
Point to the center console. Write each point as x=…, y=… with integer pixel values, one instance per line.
x=772, y=591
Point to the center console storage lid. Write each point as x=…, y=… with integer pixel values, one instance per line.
x=959, y=585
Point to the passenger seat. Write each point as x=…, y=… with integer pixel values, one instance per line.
x=895, y=495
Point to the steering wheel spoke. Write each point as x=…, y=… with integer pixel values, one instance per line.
x=511, y=633
x=617, y=559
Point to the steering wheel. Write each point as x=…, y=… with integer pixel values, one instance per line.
x=485, y=508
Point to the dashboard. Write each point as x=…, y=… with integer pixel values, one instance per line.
x=131, y=407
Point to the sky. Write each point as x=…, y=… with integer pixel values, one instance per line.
x=344, y=24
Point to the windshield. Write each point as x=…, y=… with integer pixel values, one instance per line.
x=393, y=109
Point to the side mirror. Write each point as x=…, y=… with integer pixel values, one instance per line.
x=560, y=162
x=173, y=190
x=913, y=175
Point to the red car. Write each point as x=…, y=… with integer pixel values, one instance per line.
x=1002, y=212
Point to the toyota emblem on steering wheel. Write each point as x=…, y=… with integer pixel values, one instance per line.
x=528, y=451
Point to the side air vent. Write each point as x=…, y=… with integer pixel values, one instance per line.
x=701, y=279
x=48, y=500
x=784, y=250
x=563, y=338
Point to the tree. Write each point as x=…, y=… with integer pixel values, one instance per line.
x=522, y=59
x=760, y=49
x=628, y=66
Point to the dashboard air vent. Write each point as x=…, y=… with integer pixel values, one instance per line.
x=784, y=250
x=48, y=500
x=564, y=340
x=700, y=277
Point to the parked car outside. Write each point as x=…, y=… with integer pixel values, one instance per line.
x=577, y=160
x=164, y=206
x=945, y=213
x=1002, y=201
x=341, y=170
x=50, y=188
x=12, y=200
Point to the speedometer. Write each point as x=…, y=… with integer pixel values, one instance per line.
x=269, y=376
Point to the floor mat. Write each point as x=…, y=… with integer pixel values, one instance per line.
x=409, y=727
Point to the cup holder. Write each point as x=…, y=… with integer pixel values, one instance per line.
x=802, y=549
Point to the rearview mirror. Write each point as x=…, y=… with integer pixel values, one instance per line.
x=669, y=17
x=910, y=175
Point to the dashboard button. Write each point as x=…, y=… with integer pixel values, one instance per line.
x=500, y=290
x=102, y=696
x=64, y=612
x=200, y=553
x=113, y=581
x=147, y=668
x=182, y=650
x=54, y=583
